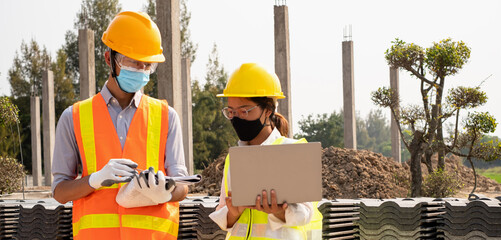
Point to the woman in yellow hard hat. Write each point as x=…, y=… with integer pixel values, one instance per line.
x=252, y=94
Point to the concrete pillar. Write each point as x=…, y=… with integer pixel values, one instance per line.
x=187, y=114
x=169, y=72
x=282, y=61
x=350, y=131
x=86, y=63
x=395, y=134
x=36, y=147
x=49, y=124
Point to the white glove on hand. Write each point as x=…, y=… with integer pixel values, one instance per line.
x=139, y=193
x=115, y=171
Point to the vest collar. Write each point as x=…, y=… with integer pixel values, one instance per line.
x=105, y=92
x=274, y=135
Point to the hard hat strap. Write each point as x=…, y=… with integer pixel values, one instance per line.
x=113, y=54
x=112, y=61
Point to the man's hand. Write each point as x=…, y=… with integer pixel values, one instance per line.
x=156, y=189
x=115, y=171
x=141, y=192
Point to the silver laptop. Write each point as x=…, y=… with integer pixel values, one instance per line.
x=294, y=171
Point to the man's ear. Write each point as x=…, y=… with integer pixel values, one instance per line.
x=107, y=58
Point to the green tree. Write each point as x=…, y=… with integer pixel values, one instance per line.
x=11, y=171
x=151, y=88
x=63, y=85
x=188, y=48
x=95, y=15
x=70, y=48
x=25, y=78
x=476, y=126
x=9, y=116
x=479, y=163
x=378, y=128
x=373, y=133
x=430, y=66
x=212, y=132
x=324, y=128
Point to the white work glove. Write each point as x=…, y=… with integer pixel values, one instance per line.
x=117, y=170
x=140, y=193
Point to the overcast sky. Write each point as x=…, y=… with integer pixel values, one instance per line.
x=243, y=32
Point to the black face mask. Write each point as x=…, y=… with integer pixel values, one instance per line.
x=247, y=130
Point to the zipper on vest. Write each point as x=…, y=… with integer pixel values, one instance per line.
x=249, y=229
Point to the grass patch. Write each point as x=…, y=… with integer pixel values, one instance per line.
x=496, y=177
x=493, y=173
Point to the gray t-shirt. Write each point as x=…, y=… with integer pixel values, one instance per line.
x=66, y=159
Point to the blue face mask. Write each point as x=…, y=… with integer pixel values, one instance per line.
x=131, y=80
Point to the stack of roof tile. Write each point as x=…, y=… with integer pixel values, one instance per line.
x=194, y=221
x=477, y=219
x=44, y=220
x=418, y=218
x=338, y=218
x=9, y=216
x=399, y=218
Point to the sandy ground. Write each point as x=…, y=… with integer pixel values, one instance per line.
x=466, y=191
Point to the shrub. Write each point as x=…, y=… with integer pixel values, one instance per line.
x=8, y=112
x=11, y=174
x=440, y=184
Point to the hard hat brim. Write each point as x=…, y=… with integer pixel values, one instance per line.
x=155, y=58
x=250, y=95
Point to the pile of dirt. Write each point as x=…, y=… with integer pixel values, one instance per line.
x=212, y=176
x=349, y=173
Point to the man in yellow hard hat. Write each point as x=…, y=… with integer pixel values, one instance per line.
x=116, y=134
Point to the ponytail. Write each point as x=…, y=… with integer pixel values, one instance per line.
x=276, y=119
x=280, y=123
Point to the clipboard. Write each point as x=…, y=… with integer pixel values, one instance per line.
x=294, y=171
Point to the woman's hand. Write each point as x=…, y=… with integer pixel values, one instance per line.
x=276, y=209
x=234, y=212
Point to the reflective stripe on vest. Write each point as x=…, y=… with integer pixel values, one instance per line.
x=258, y=221
x=131, y=221
x=314, y=228
x=153, y=138
x=98, y=214
x=96, y=221
x=87, y=132
x=260, y=229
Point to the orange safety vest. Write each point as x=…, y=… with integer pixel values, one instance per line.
x=98, y=216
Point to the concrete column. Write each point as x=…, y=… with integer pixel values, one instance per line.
x=49, y=124
x=395, y=134
x=350, y=131
x=36, y=147
x=86, y=63
x=282, y=61
x=169, y=72
x=187, y=114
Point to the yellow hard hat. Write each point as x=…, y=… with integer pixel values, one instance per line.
x=134, y=35
x=252, y=80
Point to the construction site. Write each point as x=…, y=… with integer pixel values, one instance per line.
x=365, y=195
